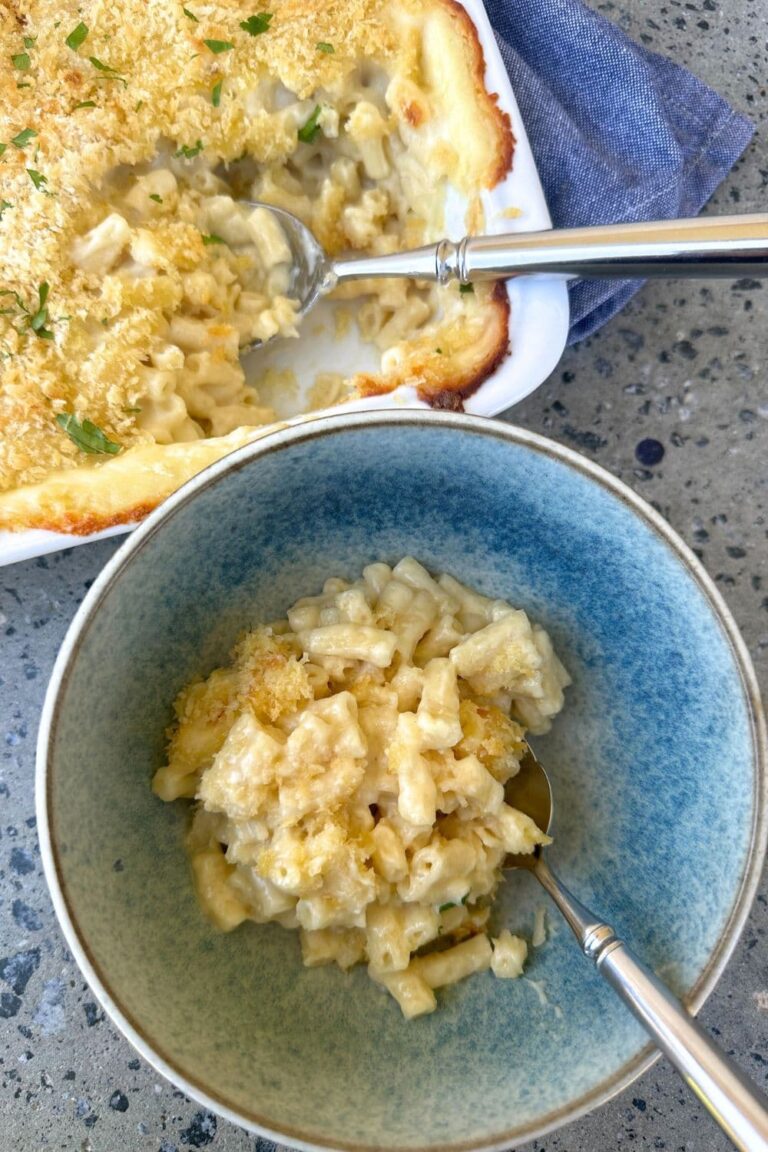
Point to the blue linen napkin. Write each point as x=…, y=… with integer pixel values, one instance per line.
x=619, y=133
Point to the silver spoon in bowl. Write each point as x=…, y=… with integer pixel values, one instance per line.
x=737, y=1105
x=720, y=246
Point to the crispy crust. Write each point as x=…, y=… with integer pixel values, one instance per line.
x=122, y=491
x=486, y=99
x=77, y=495
x=436, y=376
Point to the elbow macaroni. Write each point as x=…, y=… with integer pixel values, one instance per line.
x=350, y=782
x=127, y=214
x=232, y=265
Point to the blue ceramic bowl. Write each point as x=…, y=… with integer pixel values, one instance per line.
x=657, y=764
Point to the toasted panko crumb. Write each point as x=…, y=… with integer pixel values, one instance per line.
x=140, y=82
x=272, y=678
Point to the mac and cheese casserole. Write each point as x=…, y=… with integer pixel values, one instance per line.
x=132, y=275
x=348, y=770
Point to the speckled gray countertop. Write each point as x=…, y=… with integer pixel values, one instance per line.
x=683, y=365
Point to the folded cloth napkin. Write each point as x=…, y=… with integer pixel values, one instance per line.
x=618, y=132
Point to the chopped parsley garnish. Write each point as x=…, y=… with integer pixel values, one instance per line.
x=216, y=94
x=77, y=36
x=190, y=16
x=445, y=907
x=87, y=436
x=37, y=179
x=21, y=61
x=139, y=104
x=309, y=131
x=212, y=239
x=29, y=41
x=218, y=46
x=4, y=204
x=110, y=73
x=23, y=137
x=257, y=24
x=23, y=85
x=464, y=288
x=35, y=321
x=154, y=196
x=324, y=46
x=39, y=319
x=189, y=153
x=131, y=409
x=3, y=148
x=439, y=351
x=85, y=104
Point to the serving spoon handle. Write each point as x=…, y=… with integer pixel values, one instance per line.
x=736, y=1104
x=706, y=246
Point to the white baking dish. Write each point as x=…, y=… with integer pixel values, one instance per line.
x=538, y=323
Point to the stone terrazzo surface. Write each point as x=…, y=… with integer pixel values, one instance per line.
x=671, y=397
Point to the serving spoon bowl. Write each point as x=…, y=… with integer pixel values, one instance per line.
x=730, y=1097
x=719, y=246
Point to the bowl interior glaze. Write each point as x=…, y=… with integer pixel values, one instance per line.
x=655, y=764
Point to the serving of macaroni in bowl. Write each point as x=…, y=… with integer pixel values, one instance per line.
x=350, y=768
x=351, y=619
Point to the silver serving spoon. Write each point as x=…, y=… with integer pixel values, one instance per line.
x=737, y=1105
x=724, y=246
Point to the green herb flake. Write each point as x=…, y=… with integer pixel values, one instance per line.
x=39, y=319
x=84, y=104
x=189, y=153
x=21, y=61
x=257, y=24
x=212, y=239
x=37, y=179
x=86, y=435
x=445, y=907
x=35, y=321
x=3, y=148
x=101, y=66
x=309, y=131
x=23, y=138
x=29, y=41
x=139, y=104
x=23, y=85
x=464, y=288
x=109, y=73
x=77, y=36
x=190, y=16
x=324, y=46
x=154, y=196
x=216, y=94
x=4, y=205
x=439, y=351
x=132, y=409
x=219, y=46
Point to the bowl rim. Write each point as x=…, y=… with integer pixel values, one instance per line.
x=284, y=438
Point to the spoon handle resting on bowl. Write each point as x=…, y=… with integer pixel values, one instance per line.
x=736, y=1104
x=724, y=246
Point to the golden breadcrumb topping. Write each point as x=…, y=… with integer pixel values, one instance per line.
x=94, y=95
